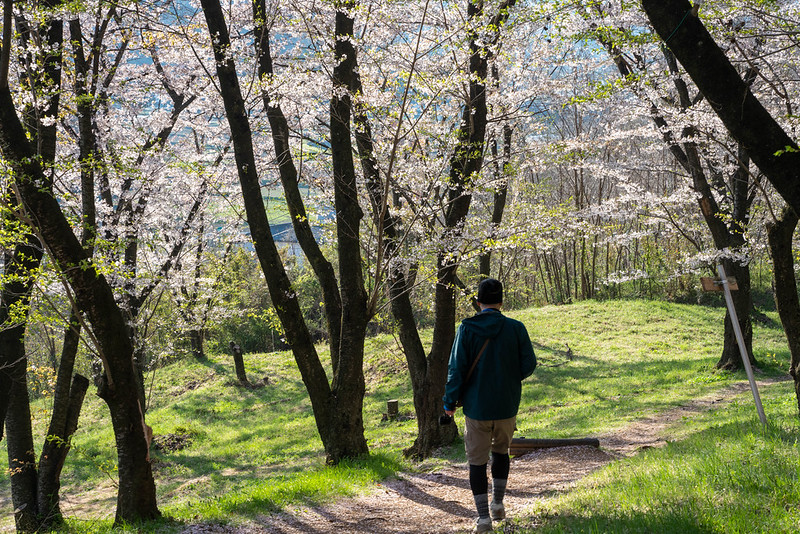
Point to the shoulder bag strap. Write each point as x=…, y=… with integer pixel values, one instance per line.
x=475, y=362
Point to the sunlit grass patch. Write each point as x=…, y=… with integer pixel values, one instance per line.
x=307, y=488
x=731, y=475
x=629, y=359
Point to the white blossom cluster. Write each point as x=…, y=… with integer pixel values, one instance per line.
x=585, y=156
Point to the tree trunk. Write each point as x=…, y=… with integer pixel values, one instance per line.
x=465, y=163
x=541, y=275
x=279, y=128
x=428, y=406
x=731, y=358
x=771, y=149
x=499, y=198
x=337, y=408
x=14, y=364
x=429, y=390
x=196, y=341
x=686, y=153
x=348, y=380
x=428, y=376
x=69, y=391
x=136, y=498
x=45, y=78
x=779, y=234
x=21, y=458
x=426, y=380
x=56, y=447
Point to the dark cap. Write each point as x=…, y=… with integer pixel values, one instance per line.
x=490, y=291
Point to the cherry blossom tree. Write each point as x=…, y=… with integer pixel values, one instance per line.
x=728, y=92
x=719, y=173
x=431, y=202
x=728, y=171
x=93, y=294
x=34, y=488
x=757, y=121
x=121, y=150
x=337, y=403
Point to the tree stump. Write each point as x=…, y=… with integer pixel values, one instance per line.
x=392, y=409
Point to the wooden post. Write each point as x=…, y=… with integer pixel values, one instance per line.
x=392, y=409
x=238, y=363
x=740, y=341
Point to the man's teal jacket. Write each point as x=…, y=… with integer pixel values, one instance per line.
x=495, y=386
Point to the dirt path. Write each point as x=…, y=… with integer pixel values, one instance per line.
x=441, y=503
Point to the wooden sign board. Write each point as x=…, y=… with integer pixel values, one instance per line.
x=715, y=284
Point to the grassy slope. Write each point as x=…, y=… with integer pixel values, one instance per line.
x=257, y=450
x=631, y=358
x=729, y=476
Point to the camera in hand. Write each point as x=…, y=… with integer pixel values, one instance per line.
x=445, y=419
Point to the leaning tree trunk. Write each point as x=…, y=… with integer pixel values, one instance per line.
x=69, y=391
x=45, y=80
x=346, y=310
x=772, y=150
x=336, y=406
x=136, y=499
x=67, y=402
x=287, y=171
x=779, y=234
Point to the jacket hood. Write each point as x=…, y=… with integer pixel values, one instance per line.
x=485, y=324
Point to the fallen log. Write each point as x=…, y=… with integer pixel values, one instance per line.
x=525, y=445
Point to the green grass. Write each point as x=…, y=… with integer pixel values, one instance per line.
x=257, y=450
x=631, y=358
x=305, y=487
x=730, y=476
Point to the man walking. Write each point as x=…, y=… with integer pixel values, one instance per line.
x=491, y=356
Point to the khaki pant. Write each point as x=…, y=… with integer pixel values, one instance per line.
x=482, y=437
